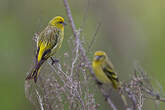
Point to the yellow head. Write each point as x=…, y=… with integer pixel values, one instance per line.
x=58, y=22
x=100, y=56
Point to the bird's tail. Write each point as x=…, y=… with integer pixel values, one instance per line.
x=121, y=94
x=33, y=75
x=35, y=71
x=124, y=99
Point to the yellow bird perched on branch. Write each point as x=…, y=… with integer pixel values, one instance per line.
x=104, y=71
x=48, y=42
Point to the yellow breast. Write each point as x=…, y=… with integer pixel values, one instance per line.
x=100, y=75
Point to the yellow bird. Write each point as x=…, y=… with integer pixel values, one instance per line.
x=105, y=73
x=48, y=42
x=104, y=70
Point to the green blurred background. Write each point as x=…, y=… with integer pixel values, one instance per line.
x=131, y=30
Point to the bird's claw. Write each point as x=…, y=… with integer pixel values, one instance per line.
x=54, y=60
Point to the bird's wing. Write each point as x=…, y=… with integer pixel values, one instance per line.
x=111, y=74
x=48, y=39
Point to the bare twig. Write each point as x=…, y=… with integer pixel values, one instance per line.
x=85, y=15
x=112, y=105
x=94, y=37
x=76, y=57
x=107, y=98
x=40, y=100
x=45, y=91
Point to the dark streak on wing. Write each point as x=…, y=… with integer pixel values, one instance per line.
x=36, y=60
x=110, y=75
x=53, y=41
x=45, y=53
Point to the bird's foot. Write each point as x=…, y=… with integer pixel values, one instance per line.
x=54, y=60
x=106, y=97
x=99, y=83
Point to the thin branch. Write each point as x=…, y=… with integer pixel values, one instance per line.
x=71, y=21
x=85, y=16
x=76, y=58
x=112, y=105
x=94, y=37
x=40, y=100
x=132, y=98
x=45, y=99
x=107, y=97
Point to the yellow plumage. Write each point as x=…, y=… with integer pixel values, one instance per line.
x=104, y=71
x=48, y=42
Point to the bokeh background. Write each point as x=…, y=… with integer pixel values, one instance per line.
x=131, y=30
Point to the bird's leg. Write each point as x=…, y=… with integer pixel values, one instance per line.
x=54, y=60
x=106, y=97
x=99, y=83
x=105, y=94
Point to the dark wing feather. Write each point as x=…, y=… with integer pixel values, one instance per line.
x=51, y=36
x=111, y=74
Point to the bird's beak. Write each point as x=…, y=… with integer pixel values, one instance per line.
x=97, y=58
x=64, y=23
